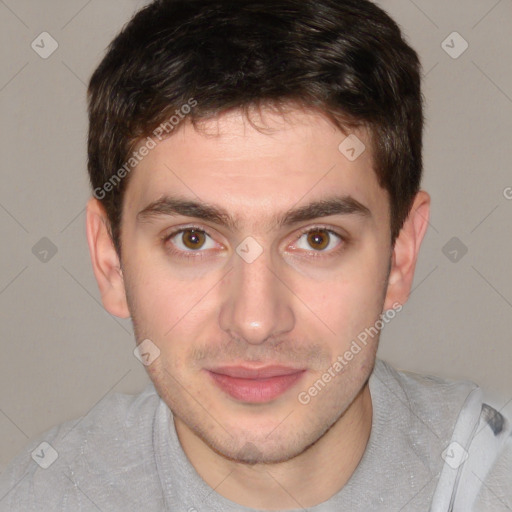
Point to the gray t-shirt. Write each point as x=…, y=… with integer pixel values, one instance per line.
x=433, y=446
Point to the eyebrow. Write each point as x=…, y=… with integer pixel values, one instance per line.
x=173, y=206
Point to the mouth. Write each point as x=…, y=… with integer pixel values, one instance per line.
x=255, y=385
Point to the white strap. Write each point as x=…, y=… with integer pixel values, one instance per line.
x=465, y=428
x=485, y=448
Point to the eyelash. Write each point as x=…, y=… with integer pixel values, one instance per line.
x=199, y=253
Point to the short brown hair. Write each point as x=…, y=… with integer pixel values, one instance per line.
x=345, y=58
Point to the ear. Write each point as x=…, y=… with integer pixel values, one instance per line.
x=406, y=250
x=105, y=261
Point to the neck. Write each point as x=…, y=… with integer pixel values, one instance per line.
x=304, y=481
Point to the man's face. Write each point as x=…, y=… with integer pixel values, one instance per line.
x=242, y=334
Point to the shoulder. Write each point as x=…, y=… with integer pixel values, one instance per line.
x=471, y=449
x=91, y=451
x=437, y=401
x=418, y=415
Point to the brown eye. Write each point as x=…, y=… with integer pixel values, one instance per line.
x=193, y=239
x=190, y=242
x=318, y=239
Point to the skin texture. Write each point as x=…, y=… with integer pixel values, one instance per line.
x=286, y=307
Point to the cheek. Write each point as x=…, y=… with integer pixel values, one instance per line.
x=351, y=299
x=172, y=312
x=155, y=302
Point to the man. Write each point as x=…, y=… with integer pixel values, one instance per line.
x=257, y=212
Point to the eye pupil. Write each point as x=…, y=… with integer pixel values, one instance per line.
x=193, y=239
x=318, y=239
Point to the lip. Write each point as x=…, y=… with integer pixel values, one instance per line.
x=255, y=385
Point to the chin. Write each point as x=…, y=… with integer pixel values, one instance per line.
x=258, y=447
x=252, y=453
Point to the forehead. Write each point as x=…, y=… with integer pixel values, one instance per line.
x=253, y=173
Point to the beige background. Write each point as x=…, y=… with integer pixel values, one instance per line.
x=61, y=353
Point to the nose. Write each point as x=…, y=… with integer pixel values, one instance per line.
x=256, y=305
